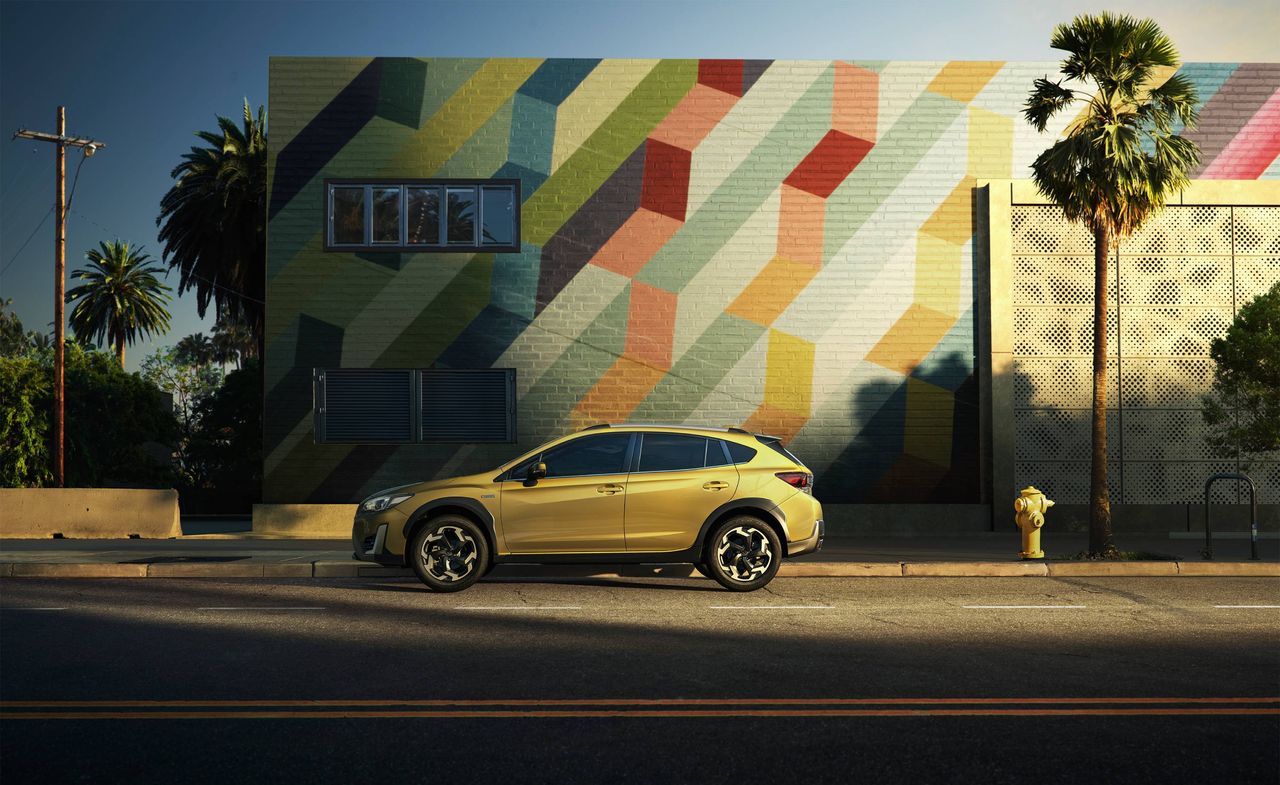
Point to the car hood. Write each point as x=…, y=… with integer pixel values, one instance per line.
x=439, y=487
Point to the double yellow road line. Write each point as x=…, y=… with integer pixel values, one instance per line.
x=644, y=708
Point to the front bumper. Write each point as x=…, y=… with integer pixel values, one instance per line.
x=812, y=544
x=371, y=535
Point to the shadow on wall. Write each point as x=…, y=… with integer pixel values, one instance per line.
x=920, y=445
x=1155, y=456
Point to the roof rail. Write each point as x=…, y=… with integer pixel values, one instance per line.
x=736, y=429
x=596, y=427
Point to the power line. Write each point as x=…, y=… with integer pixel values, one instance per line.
x=14, y=258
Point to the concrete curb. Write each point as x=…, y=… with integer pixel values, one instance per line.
x=355, y=569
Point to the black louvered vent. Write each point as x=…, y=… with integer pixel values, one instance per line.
x=368, y=405
x=468, y=406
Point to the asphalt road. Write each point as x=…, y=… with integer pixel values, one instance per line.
x=631, y=680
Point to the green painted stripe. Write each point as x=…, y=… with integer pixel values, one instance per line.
x=445, y=75
x=697, y=374
x=741, y=194
x=442, y=319
x=485, y=151
x=550, y=400
x=605, y=150
x=894, y=157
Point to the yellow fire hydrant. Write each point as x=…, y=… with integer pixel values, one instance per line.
x=1030, y=508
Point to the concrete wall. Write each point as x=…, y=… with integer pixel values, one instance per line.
x=316, y=521
x=87, y=513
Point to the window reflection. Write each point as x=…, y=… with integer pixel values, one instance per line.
x=424, y=216
x=386, y=215
x=496, y=212
x=348, y=216
x=462, y=216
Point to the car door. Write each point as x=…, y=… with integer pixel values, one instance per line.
x=578, y=506
x=678, y=481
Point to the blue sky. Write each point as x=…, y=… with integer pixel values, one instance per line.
x=143, y=76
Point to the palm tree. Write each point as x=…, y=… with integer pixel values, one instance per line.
x=195, y=349
x=121, y=299
x=1113, y=169
x=213, y=219
x=232, y=342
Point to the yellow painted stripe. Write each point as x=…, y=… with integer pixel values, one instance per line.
x=462, y=115
x=1144, y=700
x=789, y=378
x=591, y=103
x=637, y=713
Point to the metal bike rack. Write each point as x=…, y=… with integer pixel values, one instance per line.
x=1253, y=513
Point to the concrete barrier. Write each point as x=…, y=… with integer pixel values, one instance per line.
x=88, y=513
x=304, y=521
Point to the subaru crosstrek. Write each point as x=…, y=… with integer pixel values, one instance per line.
x=730, y=502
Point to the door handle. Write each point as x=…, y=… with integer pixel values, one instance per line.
x=609, y=489
x=714, y=485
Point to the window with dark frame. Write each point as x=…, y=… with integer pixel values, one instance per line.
x=423, y=215
x=414, y=406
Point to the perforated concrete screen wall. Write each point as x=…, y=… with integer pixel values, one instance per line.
x=1173, y=288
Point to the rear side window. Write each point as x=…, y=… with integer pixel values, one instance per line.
x=670, y=452
x=716, y=455
x=740, y=453
x=776, y=445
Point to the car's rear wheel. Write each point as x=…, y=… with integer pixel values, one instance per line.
x=449, y=553
x=743, y=553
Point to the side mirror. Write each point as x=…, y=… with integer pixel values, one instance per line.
x=536, y=472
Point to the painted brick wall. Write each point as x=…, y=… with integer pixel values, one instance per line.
x=786, y=245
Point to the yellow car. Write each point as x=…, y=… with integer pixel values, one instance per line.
x=730, y=502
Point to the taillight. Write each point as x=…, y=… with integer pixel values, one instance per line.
x=801, y=480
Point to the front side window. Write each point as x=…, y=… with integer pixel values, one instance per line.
x=602, y=454
x=424, y=215
x=672, y=452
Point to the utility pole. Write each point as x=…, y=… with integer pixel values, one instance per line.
x=90, y=146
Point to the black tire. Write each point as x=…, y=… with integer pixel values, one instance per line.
x=449, y=553
x=743, y=553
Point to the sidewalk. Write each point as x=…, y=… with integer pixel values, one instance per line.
x=992, y=554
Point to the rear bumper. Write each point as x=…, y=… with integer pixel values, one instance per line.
x=812, y=543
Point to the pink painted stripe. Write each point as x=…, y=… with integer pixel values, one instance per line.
x=1253, y=149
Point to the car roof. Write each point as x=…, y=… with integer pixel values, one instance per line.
x=641, y=426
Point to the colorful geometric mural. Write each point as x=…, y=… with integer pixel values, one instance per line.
x=785, y=245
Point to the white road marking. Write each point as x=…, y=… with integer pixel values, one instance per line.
x=1247, y=606
x=1023, y=607
x=32, y=609
x=255, y=608
x=768, y=607
x=518, y=607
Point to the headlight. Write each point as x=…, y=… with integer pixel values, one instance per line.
x=380, y=503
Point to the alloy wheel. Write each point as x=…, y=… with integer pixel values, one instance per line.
x=744, y=553
x=449, y=554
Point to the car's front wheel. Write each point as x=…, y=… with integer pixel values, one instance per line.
x=449, y=553
x=743, y=553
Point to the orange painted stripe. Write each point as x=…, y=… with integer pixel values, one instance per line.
x=639, y=713
x=630, y=702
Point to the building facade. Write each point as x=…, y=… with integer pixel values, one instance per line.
x=467, y=257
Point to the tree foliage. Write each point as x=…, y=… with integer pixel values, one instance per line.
x=213, y=220
x=118, y=425
x=1121, y=159
x=1243, y=408
x=121, y=298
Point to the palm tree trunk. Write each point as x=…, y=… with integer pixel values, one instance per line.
x=120, y=351
x=1099, y=501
